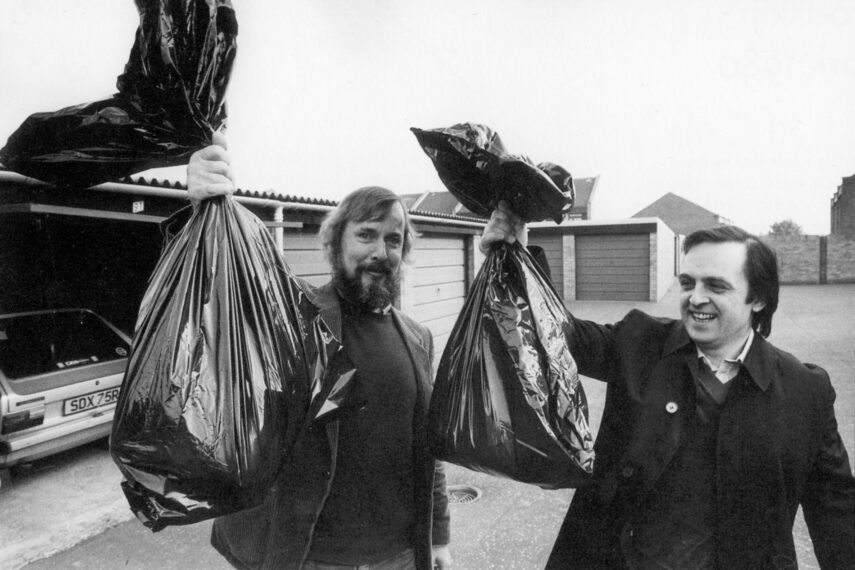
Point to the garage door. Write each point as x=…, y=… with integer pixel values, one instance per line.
x=438, y=284
x=303, y=253
x=613, y=267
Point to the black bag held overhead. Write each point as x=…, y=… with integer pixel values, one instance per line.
x=473, y=164
x=170, y=100
x=227, y=354
x=507, y=398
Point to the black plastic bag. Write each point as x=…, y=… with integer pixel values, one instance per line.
x=171, y=99
x=507, y=398
x=228, y=354
x=473, y=164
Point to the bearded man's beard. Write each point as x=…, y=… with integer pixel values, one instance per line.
x=378, y=294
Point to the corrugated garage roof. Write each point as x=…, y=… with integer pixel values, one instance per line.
x=274, y=197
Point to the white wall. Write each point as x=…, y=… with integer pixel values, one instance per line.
x=665, y=259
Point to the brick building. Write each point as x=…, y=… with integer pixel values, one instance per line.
x=843, y=209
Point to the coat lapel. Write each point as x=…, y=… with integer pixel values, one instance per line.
x=326, y=300
x=760, y=362
x=671, y=385
x=329, y=394
x=667, y=401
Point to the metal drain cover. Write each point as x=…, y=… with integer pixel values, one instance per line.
x=463, y=494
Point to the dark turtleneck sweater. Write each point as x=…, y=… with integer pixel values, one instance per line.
x=369, y=514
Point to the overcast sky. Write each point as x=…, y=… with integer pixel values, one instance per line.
x=744, y=107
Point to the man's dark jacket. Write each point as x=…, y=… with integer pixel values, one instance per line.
x=278, y=534
x=778, y=448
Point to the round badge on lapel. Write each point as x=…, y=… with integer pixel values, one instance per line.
x=671, y=407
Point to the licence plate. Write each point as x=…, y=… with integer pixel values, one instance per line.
x=89, y=401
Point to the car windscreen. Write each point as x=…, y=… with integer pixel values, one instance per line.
x=34, y=344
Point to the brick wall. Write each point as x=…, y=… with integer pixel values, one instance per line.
x=815, y=259
x=841, y=260
x=798, y=258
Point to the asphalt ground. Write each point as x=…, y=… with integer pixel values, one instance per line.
x=84, y=523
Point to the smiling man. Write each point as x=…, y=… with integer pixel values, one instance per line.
x=711, y=438
x=364, y=241
x=718, y=307
x=360, y=489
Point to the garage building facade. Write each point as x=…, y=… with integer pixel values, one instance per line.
x=627, y=260
x=96, y=247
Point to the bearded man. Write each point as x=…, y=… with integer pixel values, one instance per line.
x=361, y=489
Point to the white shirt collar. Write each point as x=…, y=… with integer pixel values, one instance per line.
x=729, y=367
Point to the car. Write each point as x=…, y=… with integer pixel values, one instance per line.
x=60, y=375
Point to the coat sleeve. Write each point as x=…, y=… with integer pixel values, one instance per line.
x=591, y=347
x=598, y=349
x=829, y=499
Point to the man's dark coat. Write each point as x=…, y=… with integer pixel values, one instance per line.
x=778, y=448
x=278, y=534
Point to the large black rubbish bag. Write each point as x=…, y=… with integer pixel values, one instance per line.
x=507, y=398
x=228, y=352
x=474, y=165
x=170, y=100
